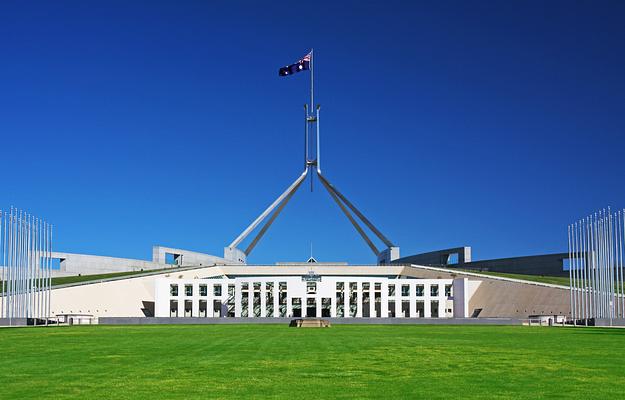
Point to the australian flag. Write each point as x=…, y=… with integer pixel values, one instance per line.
x=301, y=65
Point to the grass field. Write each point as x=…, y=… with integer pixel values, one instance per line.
x=349, y=361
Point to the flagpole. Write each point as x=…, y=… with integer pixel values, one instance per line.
x=312, y=82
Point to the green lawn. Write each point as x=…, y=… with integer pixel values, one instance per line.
x=556, y=280
x=64, y=280
x=260, y=361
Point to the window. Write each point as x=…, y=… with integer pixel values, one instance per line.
x=188, y=308
x=217, y=290
x=257, y=286
x=326, y=306
x=366, y=286
x=420, y=309
x=448, y=290
x=173, y=307
x=203, y=290
x=353, y=286
x=296, y=306
x=188, y=290
x=216, y=308
x=405, y=308
x=311, y=287
x=391, y=290
x=419, y=290
x=434, y=309
x=405, y=290
x=378, y=286
x=173, y=290
x=434, y=290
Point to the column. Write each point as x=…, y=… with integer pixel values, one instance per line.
x=181, y=299
x=358, y=299
x=333, y=301
x=413, y=300
x=427, y=309
x=398, y=298
x=289, y=305
x=195, y=300
x=209, y=300
x=384, y=299
x=263, y=299
x=250, y=300
x=276, y=304
x=371, y=299
x=319, y=304
x=237, y=299
x=346, y=299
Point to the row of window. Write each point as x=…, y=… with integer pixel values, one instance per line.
x=308, y=308
x=188, y=288
x=311, y=287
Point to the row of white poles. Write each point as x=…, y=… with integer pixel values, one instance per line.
x=596, y=266
x=25, y=256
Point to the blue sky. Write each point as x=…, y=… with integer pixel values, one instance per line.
x=489, y=124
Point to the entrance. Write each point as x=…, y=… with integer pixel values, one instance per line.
x=311, y=307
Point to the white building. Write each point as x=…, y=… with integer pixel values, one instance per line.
x=311, y=295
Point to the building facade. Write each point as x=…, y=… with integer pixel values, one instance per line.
x=311, y=296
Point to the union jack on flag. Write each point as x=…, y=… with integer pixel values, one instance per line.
x=301, y=65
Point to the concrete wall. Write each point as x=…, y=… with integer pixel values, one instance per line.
x=503, y=297
x=186, y=257
x=84, y=264
x=543, y=264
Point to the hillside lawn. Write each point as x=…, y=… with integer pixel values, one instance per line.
x=344, y=361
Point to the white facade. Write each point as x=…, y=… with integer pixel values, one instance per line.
x=311, y=296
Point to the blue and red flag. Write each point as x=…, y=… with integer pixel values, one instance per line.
x=301, y=65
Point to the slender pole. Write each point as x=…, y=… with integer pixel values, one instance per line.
x=49, y=258
x=20, y=228
x=306, y=136
x=312, y=81
x=580, y=302
x=620, y=250
x=9, y=265
x=622, y=237
x=571, y=276
x=3, y=263
x=318, y=143
x=586, y=272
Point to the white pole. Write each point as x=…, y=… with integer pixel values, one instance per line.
x=621, y=237
x=20, y=264
x=4, y=301
x=49, y=268
x=587, y=272
x=571, y=276
x=575, y=316
x=580, y=272
x=312, y=83
x=9, y=264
